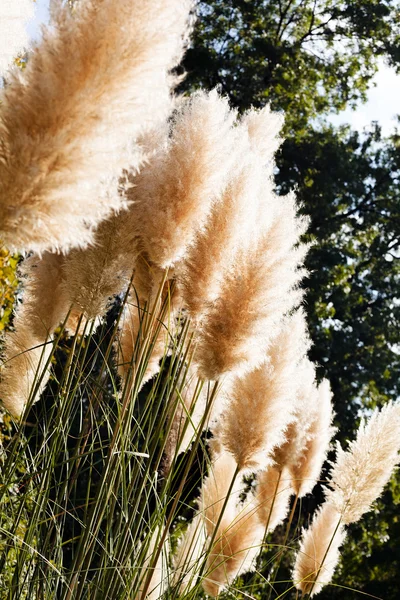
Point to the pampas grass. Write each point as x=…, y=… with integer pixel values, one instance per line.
x=272, y=496
x=28, y=348
x=125, y=493
x=319, y=551
x=356, y=481
x=95, y=81
x=176, y=193
x=360, y=473
x=262, y=402
x=309, y=435
x=237, y=544
x=256, y=292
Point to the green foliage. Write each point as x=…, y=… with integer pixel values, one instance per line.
x=304, y=57
x=8, y=285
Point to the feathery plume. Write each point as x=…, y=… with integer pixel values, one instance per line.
x=175, y=194
x=95, y=81
x=233, y=529
x=142, y=318
x=272, y=496
x=231, y=222
x=360, y=474
x=237, y=543
x=220, y=491
x=262, y=401
x=14, y=16
x=256, y=292
x=263, y=127
x=236, y=218
x=309, y=436
x=95, y=274
x=28, y=348
x=319, y=551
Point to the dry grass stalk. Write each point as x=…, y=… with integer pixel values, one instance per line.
x=74, y=111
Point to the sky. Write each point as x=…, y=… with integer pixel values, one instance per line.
x=382, y=104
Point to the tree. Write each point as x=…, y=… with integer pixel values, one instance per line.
x=305, y=57
x=348, y=183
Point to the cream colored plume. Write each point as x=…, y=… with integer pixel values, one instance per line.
x=319, y=551
x=236, y=218
x=262, y=401
x=272, y=496
x=145, y=333
x=216, y=499
x=175, y=193
x=14, y=16
x=259, y=288
x=68, y=121
x=360, y=474
x=219, y=496
x=231, y=222
x=237, y=543
x=233, y=530
x=263, y=127
x=309, y=436
x=95, y=274
x=28, y=348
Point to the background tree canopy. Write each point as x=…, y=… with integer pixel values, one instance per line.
x=309, y=58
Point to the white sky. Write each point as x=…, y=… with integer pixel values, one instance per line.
x=382, y=104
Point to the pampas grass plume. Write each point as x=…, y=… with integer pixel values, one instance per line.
x=272, y=495
x=175, y=194
x=262, y=401
x=360, y=474
x=238, y=542
x=94, y=82
x=309, y=436
x=256, y=292
x=319, y=551
x=44, y=307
